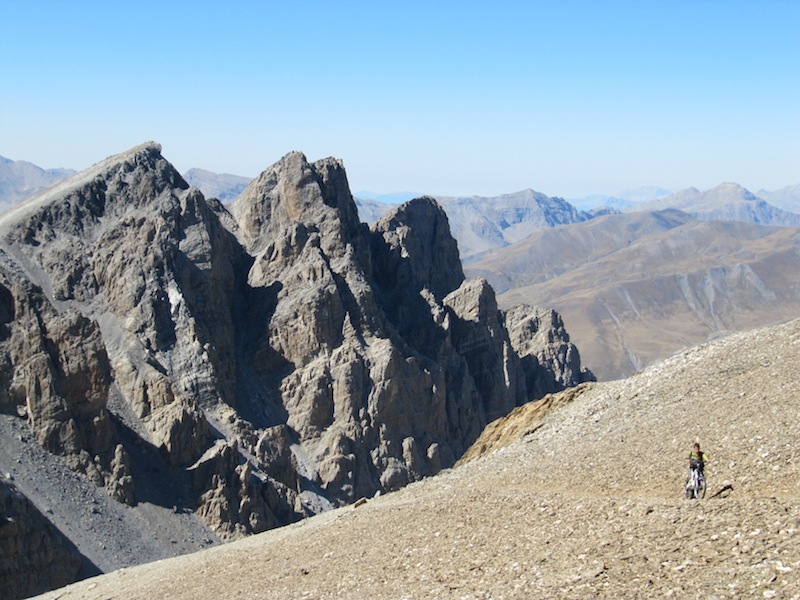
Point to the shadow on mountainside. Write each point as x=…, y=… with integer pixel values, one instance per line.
x=259, y=368
x=156, y=482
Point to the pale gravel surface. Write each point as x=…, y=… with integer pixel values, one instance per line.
x=588, y=505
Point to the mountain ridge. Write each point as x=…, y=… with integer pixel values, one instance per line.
x=271, y=362
x=727, y=201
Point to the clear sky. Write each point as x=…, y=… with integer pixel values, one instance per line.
x=566, y=97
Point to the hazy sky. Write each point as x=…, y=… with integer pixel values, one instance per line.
x=566, y=97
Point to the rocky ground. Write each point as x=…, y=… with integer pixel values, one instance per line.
x=584, y=500
x=108, y=533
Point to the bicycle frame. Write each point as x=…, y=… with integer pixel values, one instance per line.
x=693, y=486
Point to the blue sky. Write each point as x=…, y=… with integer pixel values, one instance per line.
x=569, y=98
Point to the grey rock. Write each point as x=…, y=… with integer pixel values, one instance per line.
x=551, y=362
x=275, y=360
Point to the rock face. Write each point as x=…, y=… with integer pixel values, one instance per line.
x=34, y=555
x=551, y=362
x=282, y=358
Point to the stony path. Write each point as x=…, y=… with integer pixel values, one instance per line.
x=587, y=503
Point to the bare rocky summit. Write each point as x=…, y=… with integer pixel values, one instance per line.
x=577, y=496
x=252, y=367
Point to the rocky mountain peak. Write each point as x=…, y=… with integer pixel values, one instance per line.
x=126, y=181
x=296, y=194
x=272, y=363
x=419, y=251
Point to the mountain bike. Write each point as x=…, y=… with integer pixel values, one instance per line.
x=696, y=485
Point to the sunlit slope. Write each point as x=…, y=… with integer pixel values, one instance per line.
x=635, y=288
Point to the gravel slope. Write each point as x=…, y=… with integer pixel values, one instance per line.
x=586, y=503
x=108, y=534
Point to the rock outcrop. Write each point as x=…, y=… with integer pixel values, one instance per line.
x=56, y=372
x=551, y=362
x=283, y=358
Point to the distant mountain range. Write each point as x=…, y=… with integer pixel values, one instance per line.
x=787, y=198
x=636, y=287
x=633, y=287
x=623, y=200
x=480, y=224
x=20, y=179
x=222, y=186
x=394, y=198
x=726, y=202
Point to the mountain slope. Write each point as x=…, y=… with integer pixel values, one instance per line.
x=370, y=211
x=787, y=198
x=588, y=503
x=726, y=202
x=222, y=186
x=637, y=287
x=20, y=179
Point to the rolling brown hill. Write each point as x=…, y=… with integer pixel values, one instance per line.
x=637, y=287
x=584, y=501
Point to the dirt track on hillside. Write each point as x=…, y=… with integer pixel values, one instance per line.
x=587, y=504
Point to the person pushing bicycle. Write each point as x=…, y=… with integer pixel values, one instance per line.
x=695, y=486
x=697, y=458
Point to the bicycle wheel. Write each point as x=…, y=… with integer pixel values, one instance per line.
x=701, y=487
